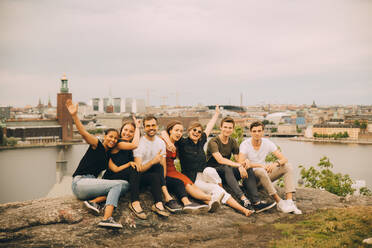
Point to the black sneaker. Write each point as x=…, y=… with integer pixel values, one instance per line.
x=247, y=204
x=263, y=206
x=173, y=206
x=93, y=206
x=110, y=223
x=195, y=207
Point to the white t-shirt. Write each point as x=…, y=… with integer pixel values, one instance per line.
x=257, y=157
x=148, y=149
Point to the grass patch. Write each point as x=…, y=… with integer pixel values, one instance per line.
x=327, y=228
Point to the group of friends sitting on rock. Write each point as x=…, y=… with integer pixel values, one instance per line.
x=131, y=162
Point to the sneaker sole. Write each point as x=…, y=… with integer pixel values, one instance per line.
x=215, y=205
x=172, y=210
x=196, y=210
x=268, y=207
x=91, y=208
x=110, y=225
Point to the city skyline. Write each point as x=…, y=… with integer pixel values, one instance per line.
x=187, y=52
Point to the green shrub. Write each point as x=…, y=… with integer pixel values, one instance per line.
x=11, y=141
x=238, y=134
x=324, y=178
x=95, y=131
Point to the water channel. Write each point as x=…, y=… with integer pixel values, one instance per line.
x=30, y=173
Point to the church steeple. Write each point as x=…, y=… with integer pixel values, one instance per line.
x=64, y=86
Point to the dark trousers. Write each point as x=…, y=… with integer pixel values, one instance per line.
x=231, y=175
x=154, y=177
x=133, y=177
x=176, y=187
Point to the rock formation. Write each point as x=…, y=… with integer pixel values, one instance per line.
x=64, y=222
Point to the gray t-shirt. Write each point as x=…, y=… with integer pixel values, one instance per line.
x=226, y=150
x=148, y=149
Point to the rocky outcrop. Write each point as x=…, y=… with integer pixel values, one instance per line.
x=64, y=222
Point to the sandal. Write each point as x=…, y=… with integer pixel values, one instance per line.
x=140, y=214
x=160, y=212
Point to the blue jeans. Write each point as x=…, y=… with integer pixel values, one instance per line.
x=87, y=187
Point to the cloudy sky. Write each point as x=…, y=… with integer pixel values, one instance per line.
x=204, y=51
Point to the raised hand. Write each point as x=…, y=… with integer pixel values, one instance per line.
x=136, y=122
x=71, y=107
x=218, y=109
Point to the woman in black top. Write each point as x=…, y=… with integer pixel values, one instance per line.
x=85, y=184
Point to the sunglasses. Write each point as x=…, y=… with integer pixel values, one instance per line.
x=196, y=130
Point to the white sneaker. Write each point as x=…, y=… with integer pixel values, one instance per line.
x=284, y=207
x=293, y=206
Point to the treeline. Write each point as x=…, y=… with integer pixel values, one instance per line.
x=339, y=135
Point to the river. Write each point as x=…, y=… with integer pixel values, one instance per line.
x=31, y=173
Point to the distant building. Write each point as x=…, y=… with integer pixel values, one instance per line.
x=95, y=104
x=63, y=116
x=287, y=129
x=34, y=131
x=117, y=104
x=105, y=103
x=140, y=106
x=4, y=113
x=300, y=121
x=330, y=129
x=128, y=105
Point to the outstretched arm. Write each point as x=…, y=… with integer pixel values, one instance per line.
x=212, y=121
x=134, y=143
x=89, y=138
x=221, y=160
x=113, y=167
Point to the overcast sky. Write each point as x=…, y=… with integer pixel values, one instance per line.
x=206, y=51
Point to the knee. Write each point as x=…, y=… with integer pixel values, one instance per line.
x=212, y=175
x=125, y=186
x=228, y=170
x=288, y=168
x=260, y=172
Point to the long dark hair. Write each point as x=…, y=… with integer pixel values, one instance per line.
x=126, y=123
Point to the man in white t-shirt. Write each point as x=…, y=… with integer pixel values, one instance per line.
x=150, y=158
x=253, y=152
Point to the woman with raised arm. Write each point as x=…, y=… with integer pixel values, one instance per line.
x=193, y=162
x=85, y=184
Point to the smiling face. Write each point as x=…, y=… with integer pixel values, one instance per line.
x=195, y=133
x=150, y=127
x=110, y=139
x=176, y=132
x=127, y=132
x=227, y=129
x=257, y=133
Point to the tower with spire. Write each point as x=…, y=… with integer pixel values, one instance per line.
x=63, y=116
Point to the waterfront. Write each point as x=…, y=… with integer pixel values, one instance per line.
x=31, y=173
